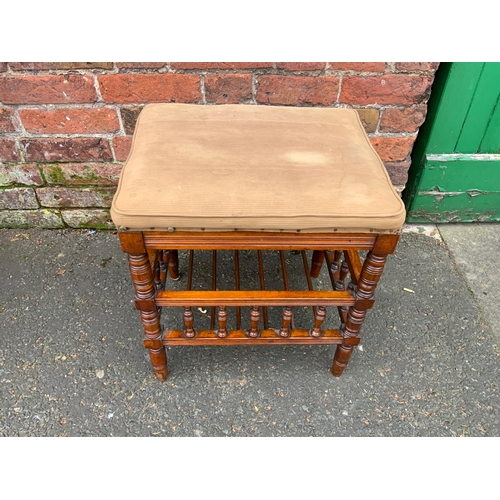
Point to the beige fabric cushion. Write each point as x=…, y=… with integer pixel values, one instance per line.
x=254, y=168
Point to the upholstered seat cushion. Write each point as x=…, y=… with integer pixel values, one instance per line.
x=254, y=168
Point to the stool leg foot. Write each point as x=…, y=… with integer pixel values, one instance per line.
x=340, y=360
x=159, y=363
x=173, y=264
x=316, y=262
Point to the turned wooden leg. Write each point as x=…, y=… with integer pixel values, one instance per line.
x=340, y=360
x=142, y=277
x=316, y=262
x=173, y=264
x=370, y=275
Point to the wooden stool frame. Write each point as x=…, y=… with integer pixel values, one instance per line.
x=153, y=254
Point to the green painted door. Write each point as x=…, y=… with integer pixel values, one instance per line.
x=455, y=171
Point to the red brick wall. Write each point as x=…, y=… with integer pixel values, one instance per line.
x=65, y=128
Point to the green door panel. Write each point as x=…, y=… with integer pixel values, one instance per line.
x=454, y=106
x=479, y=115
x=491, y=139
x=460, y=174
x=473, y=206
x=455, y=171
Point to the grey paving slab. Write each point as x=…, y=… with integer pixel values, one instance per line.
x=475, y=248
x=72, y=361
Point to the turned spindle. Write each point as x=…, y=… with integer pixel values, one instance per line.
x=163, y=260
x=335, y=266
x=344, y=270
x=319, y=318
x=254, y=322
x=188, y=322
x=222, y=320
x=285, y=322
x=157, y=271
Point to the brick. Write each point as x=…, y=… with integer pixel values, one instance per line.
x=70, y=121
x=393, y=148
x=139, y=88
x=228, y=89
x=78, y=149
x=7, y=120
x=301, y=66
x=122, y=145
x=88, y=218
x=369, y=118
x=36, y=66
x=398, y=171
x=47, y=219
x=417, y=66
x=140, y=65
x=20, y=174
x=17, y=198
x=82, y=174
x=51, y=89
x=221, y=65
x=8, y=150
x=74, y=197
x=3, y=67
x=402, y=120
x=372, y=67
x=129, y=118
x=295, y=90
x=386, y=89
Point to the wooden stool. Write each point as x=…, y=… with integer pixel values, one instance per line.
x=239, y=177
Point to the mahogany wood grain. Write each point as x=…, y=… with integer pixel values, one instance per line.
x=344, y=271
x=354, y=263
x=385, y=244
x=142, y=277
x=286, y=285
x=237, y=285
x=286, y=320
x=214, y=286
x=316, y=262
x=163, y=258
x=319, y=318
x=173, y=264
x=190, y=270
x=133, y=243
x=150, y=264
x=188, y=316
x=370, y=276
x=254, y=322
x=199, y=298
x=262, y=286
x=222, y=320
x=239, y=337
x=249, y=240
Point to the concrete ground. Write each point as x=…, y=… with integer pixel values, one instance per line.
x=72, y=361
